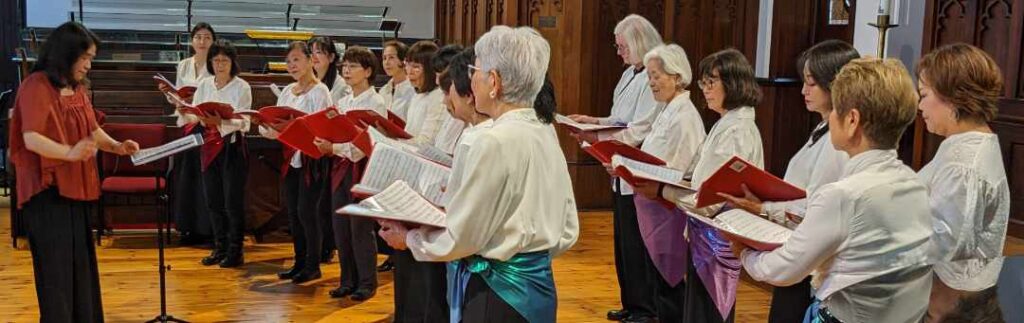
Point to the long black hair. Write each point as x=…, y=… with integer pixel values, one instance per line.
x=62, y=49
x=326, y=45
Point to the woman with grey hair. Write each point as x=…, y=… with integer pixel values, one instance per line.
x=510, y=216
x=675, y=135
x=633, y=104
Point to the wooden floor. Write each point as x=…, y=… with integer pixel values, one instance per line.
x=585, y=277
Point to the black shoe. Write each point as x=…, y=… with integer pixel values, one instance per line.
x=386, y=266
x=232, y=260
x=618, y=315
x=363, y=294
x=290, y=273
x=341, y=292
x=305, y=276
x=214, y=258
x=640, y=319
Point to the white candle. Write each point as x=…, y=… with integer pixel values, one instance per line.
x=885, y=7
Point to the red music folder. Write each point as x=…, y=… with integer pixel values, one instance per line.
x=327, y=124
x=394, y=118
x=183, y=92
x=273, y=116
x=368, y=118
x=332, y=126
x=605, y=150
x=206, y=109
x=736, y=172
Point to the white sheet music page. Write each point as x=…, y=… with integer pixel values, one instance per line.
x=398, y=202
x=583, y=126
x=144, y=156
x=756, y=228
x=389, y=164
x=449, y=135
x=651, y=172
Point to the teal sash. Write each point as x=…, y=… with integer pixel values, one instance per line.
x=525, y=282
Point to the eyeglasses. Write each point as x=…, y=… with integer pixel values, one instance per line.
x=351, y=66
x=707, y=83
x=474, y=68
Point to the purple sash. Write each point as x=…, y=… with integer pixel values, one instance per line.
x=716, y=266
x=662, y=229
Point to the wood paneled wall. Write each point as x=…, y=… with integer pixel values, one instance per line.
x=585, y=68
x=997, y=26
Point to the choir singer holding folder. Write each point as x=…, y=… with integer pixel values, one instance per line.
x=633, y=104
x=816, y=164
x=224, y=162
x=675, y=135
x=866, y=236
x=730, y=89
x=305, y=178
x=54, y=138
x=354, y=236
x=515, y=208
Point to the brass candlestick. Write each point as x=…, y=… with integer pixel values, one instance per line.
x=883, y=24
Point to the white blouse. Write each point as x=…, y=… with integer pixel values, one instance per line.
x=368, y=100
x=970, y=203
x=311, y=101
x=633, y=105
x=426, y=113
x=459, y=166
x=237, y=93
x=816, y=164
x=735, y=134
x=676, y=133
x=188, y=75
x=397, y=97
x=340, y=89
x=867, y=237
x=516, y=198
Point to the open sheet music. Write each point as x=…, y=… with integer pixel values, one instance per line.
x=449, y=135
x=185, y=91
x=754, y=231
x=389, y=164
x=398, y=202
x=148, y=155
x=423, y=150
x=644, y=171
x=576, y=126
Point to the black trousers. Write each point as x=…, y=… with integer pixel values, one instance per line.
x=326, y=216
x=699, y=306
x=669, y=300
x=303, y=189
x=63, y=258
x=356, y=240
x=225, y=194
x=188, y=202
x=482, y=304
x=631, y=260
x=420, y=289
x=791, y=302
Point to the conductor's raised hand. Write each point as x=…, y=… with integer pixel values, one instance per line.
x=82, y=150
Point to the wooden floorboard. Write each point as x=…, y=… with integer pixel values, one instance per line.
x=585, y=277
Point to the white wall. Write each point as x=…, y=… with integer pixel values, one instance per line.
x=903, y=42
x=417, y=16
